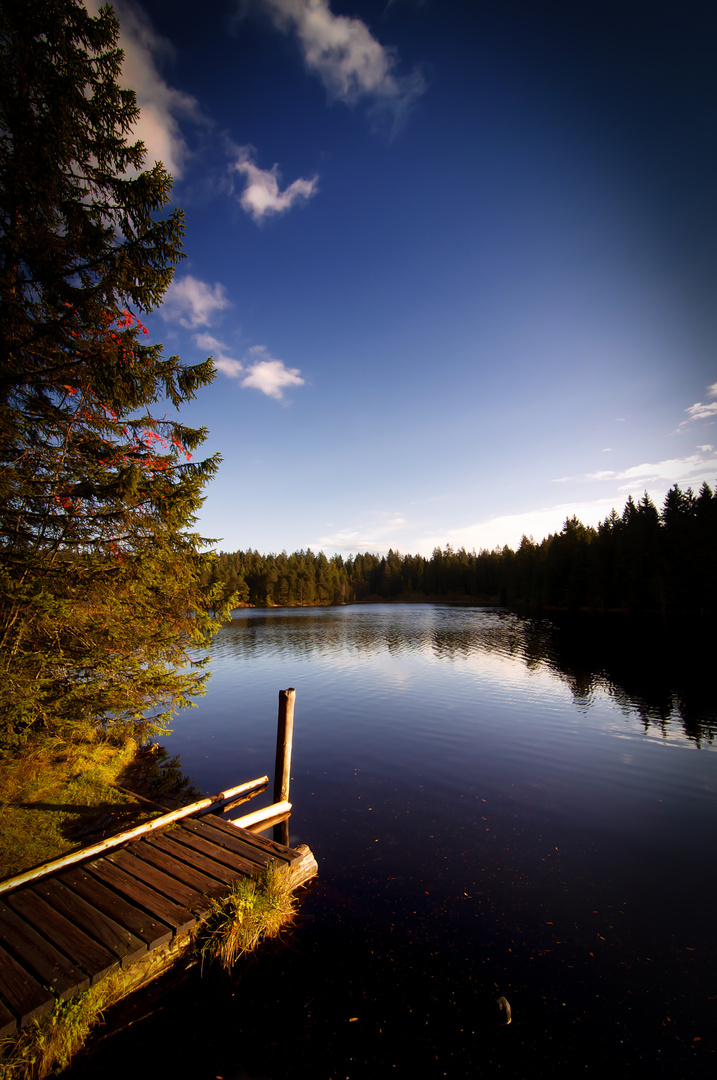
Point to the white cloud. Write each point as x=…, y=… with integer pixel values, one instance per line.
x=193, y=302
x=160, y=103
x=378, y=534
x=698, y=411
x=269, y=375
x=218, y=351
x=258, y=370
x=261, y=196
x=672, y=471
x=509, y=528
x=345, y=55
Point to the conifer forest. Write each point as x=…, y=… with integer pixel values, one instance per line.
x=644, y=560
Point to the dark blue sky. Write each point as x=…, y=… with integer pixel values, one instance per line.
x=476, y=293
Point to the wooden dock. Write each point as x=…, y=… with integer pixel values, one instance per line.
x=80, y=919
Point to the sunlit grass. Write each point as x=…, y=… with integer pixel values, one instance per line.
x=57, y=798
x=255, y=909
x=48, y=1043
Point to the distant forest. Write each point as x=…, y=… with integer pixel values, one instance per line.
x=643, y=560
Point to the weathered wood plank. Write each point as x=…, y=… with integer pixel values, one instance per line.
x=8, y=1023
x=146, y=927
x=115, y=938
x=260, y=842
x=169, y=886
x=162, y=853
x=173, y=915
x=231, y=840
x=196, y=856
x=279, y=851
x=22, y=994
x=49, y=966
x=75, y=943
x=304, y=868
x=233, y=864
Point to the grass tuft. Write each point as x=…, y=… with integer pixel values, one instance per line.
x=255, y=909
x=48, y=1043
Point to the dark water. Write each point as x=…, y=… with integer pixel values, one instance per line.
x=499, y=805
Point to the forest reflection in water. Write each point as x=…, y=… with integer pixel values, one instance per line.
x=499, y=804
x=661, y=673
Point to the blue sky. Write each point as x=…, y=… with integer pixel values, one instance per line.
x=456, y=261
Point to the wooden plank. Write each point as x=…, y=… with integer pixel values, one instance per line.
x=171, y=887
x=196, y=858
x=231, y=840
x=177, y=918
x=148, y=929
x=22, y=995
x=115, y=938
x=233, y=864
x=286, y=854
x=173, y=890
x=304, y=868
x=8, y=1023
x=213, y=802
x=51, y=967
x=82, y=949
x=162, y=853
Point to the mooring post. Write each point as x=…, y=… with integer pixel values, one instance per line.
x=282, y=767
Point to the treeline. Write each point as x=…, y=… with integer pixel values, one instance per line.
x=642, y=560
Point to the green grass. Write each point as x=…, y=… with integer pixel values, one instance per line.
x=48, y=1044
x=58, y=798
x=255, y=909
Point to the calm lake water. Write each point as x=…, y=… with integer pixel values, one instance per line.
x=499, y=805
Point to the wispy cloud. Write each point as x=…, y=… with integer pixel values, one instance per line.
x=261, y=196
x=698, y=411
x=684, y=470
x=348, y=59
x=379, y=532
x=258, y=370
x=160, y=103
x=220, y=353
x=192, y=302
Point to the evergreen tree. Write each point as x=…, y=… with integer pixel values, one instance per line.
x=101, y=589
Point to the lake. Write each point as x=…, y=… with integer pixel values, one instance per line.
x=499, y=805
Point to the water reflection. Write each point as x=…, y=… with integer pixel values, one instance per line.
x=661, y=675
x=489, y=818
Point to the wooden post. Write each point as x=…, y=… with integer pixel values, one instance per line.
x=282, y=767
